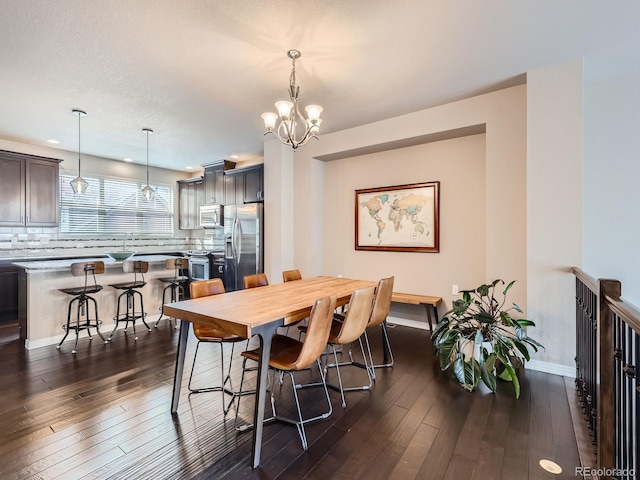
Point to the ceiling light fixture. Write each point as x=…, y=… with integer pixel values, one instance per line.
x=79, y=184
x=293, y=129
x=54, y=141
x=147, y=191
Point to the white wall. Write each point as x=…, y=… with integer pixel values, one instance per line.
x=459, y=165
x=554, y=214
x=611, y=173
x=502, y=113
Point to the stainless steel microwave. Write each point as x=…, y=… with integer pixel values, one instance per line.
x=211, y=216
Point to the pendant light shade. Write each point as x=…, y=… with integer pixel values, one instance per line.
x=147, y=191
x=79, y=184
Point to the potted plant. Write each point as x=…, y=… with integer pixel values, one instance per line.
x=479, y=323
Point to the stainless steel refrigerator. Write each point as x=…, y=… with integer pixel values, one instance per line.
x=243, y=233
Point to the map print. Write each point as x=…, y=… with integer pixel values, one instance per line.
x=398, y=218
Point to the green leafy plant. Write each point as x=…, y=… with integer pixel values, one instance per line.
x=479, y=322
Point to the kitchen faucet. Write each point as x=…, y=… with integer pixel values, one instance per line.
x=124, y=241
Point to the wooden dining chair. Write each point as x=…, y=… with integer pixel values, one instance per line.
x=204, y=288
x=347, y=330
x=255, y=280
x=289, y=355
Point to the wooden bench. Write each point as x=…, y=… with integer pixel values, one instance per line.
x=430, y=304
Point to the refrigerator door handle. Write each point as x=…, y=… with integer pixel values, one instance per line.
x=239, y=239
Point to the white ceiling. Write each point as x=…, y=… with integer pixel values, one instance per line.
x=200, y=72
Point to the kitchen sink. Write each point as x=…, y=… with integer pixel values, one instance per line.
x=121, y=255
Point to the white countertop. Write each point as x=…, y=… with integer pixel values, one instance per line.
x=52, y=265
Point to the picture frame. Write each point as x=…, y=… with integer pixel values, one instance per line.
x=400, y=218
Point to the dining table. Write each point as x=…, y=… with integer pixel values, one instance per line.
x=256, y=311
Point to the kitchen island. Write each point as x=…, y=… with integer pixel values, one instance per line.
x=43, y=308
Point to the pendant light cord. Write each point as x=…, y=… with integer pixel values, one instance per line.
x=147, y=157
x=79, y=145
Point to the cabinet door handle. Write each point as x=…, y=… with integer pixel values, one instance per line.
x=27, y=218
x=21, y=218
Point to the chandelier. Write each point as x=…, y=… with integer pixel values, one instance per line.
x=292, y=127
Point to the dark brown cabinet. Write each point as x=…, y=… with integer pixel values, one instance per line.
x=244, y=185
x=9, y=289
x=191, y=197
x=28, y=190
x=214, y=181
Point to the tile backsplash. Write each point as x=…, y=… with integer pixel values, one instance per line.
x=18, y=241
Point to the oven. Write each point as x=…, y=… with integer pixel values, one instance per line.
x=204, y=265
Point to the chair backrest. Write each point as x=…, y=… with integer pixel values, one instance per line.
x=381, y=302
x=177, y=263
x=204, y=288
x=357, y=316
x=317, y=335
x=291, y=275
x=255, y=280
x=87, y=268
x=135, y=266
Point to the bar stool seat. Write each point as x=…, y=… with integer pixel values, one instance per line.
x=130, y=293
x=173, y=285
x=81, y=295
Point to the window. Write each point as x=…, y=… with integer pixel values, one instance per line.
x=114, y=205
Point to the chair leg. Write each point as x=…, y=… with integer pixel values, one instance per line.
x=95, y=309
x=67, y=326
x=164, y=293
x=142, y=314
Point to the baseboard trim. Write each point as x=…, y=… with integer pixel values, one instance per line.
x=546, y=367
x=45, y=342
x=552, y=368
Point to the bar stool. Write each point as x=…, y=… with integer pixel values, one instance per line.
x=81, y=295
x=130, y=291
x=173, y=285
x=205, y=288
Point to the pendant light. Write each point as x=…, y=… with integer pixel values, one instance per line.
x=79, y=184
x=147, y=191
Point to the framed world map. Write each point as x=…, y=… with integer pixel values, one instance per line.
x=401, y=218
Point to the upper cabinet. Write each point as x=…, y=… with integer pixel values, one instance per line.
x=214, y=181
x=244, y=185
x=28, y=190
x=191, y=197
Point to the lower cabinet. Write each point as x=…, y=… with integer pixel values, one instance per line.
x=9, y=289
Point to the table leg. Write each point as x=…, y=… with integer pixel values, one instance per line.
x=177, y=375
x=266, y=336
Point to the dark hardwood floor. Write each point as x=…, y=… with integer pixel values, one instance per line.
x=104, y=413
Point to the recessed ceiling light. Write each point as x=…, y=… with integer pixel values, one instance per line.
x=128, y=160
x=189, y=168
x=54, y=141
x=235, y=157
x=551, y=467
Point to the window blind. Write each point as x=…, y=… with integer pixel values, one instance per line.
x=114, y=205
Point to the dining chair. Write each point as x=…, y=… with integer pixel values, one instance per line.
x=348, y=330
x=255, y=280
x=379, y=312
x=291, y=275
x=205, y=288
x=289, y=355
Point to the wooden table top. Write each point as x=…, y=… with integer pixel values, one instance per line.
x=242, y=311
